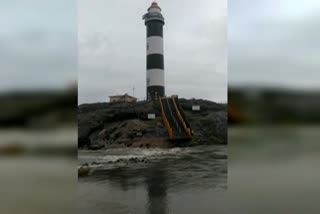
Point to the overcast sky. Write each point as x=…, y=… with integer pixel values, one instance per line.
x=112, y=48
x=38, y=44
x=270, y=43
x=274, y=43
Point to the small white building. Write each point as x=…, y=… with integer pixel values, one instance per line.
x=195, y=107
x=151, y=116
x=122, y=99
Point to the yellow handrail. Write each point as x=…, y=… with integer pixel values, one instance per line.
x=165, y=120
x=186, y=129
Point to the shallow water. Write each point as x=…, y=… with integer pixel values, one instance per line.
x=168, y=181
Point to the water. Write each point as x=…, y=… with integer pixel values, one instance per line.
x=179, y=180
x=274, y=170
x=271, y=170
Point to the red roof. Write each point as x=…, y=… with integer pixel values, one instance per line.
x=154, y=5
x=125, y=95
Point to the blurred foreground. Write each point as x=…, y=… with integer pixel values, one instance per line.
x=38, y=108
x=274, y=151
x=38, y=151
x=273, y=169
x=273, y=106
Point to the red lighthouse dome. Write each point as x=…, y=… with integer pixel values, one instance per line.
x=154, y=5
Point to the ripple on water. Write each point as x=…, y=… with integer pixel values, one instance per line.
x=152, y=186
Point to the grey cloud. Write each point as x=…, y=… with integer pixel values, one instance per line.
x=37, y=59
x=38, y=44
x=274, y=50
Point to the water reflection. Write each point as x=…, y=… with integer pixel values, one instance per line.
x=154, y=178
x=170, y=184
x=157, y=190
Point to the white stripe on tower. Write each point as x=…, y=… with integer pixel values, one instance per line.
x=154, y=45
x=155, y=77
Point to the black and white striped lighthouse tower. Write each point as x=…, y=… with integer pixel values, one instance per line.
x=154, y=22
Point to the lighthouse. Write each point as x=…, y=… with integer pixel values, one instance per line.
x=154, y=22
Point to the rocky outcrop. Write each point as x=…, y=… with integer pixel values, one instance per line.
x=210, y=129
x=108, y=125
x=105, y=124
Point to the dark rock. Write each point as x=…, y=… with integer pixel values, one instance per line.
x=97, y=140
x=134, y=160
x=83, y=171
x=211, y=129
x=205, y=105
x=102, y=125
x=95, y=163
x=220, y=156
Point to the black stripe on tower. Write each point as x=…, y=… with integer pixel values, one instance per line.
x=155, y=91
x=154, y=28
x=155, y=61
